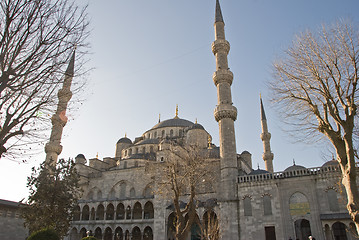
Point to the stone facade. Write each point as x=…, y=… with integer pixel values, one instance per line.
x=119, y=202
x=11, y=223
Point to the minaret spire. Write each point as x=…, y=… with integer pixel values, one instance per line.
x=53, y=148
x=225, y=114
x=266, y=136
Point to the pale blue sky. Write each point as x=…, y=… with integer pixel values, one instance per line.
x=150, y=55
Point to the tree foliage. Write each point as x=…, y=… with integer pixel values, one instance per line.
x=36, y=41
x=54, y=192
x=185, y=172
x=44, y=234
x=315, y=91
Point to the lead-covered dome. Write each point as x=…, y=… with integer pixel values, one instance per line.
x=124, y=140
x=295, y=168
x=174, y=122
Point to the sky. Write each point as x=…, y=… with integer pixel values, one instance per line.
x=149, y=56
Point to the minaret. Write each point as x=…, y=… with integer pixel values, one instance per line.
x=225, y=114
x=53, y=148
x=265, y=136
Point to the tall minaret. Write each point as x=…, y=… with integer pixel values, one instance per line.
x=225, y=114
x=265, y=136
x=53, y=148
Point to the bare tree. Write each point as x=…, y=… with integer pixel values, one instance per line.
x=315, y=90
x=184, y=173
x=36, y=41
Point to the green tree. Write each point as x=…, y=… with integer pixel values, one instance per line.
x=36, y=41
x=315, y=91
x=54, y=192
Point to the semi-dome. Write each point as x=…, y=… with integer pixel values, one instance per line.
x=333, y=163
x=295, y=168
x=80, y=156
x=195, y=126
x=124, y=140
x=148, y=141
x=174, y=122
x=258, y=172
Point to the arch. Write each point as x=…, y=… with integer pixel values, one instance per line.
x=83, y=233
x=76, y=213
x=195, y=229
x=137, y=211
x=163, y=133
x=118, y=234
x=171, y=226
x=155, y=135
x=128, y=212
x=127, y=235
x=136, y=233
x=353, y=229
x=93, y=214
x=299, y=204
x=211, y=226
x=98, y=233
x=151, y=149
x=85, y=213
x=267, y=205
x=332, y=200
x=90, y=195
x=120, y=211
x=130, y=151
x=247, y=206
x=100, y=212
x=339, y=231
x=148, y=212
x=147, y=233
x=148, y=192
x=99, y=194
x=108, y=234
x=171, y=133
x=123, y=186
x=143, y=149
x=302, y=229
x=73, y=234
x=132, y=193
x=112, y=194
x=110, y=212
x=327, y=232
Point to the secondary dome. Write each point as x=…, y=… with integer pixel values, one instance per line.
x=333, y=163
x=258, y=172
x=174, y=122
x=124, y=140
x=294, y=168
x=195, y=126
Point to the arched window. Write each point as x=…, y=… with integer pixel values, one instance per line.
x=151, y=149
x=136, y=233
x=85, y=213
x=163, y=133
x=339, y=231
x=128, y=212
x=148, y=211
x=180, y=132
x=333, y=200
x=100, y=212
x=83, y=233
x=73, y=233
x=112, y=194
x=123, y=190
x=132, y=193
x=98, y=233
x=76, y=214
x=211, y=227
x=171, y=133
x=127, y=235
x=171, y=229
x=299, y=205
x=155, y=135
x=93, y=214
x=267, y=205
x=120, y=211
x=130, y=151
x=137, y=211
x=147, y=233
x=90, y=195
x=144, y=150
x=136, y=163
x=247, y=205
x=108, y=234
x=110, y=212
x=118, y=234
x=136, y=150
x=147, y=193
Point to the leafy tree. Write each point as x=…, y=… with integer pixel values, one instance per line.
x=44, y=234
x=89, y=238
x=184, y=173
x=54, y=192
x=36, y=41
x=315, y=90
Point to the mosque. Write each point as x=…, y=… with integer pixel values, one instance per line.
x=119, y=203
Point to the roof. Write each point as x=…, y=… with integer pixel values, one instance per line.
x=294, y=168
x=219, y=17
x=148, y=141
x=80, y=156
x=174, y=122
x=331, y=163
x=11, y=204
x=258, y=172
x=195, y=126
x=124, y=140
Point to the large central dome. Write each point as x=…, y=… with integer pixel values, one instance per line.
x=174, y=122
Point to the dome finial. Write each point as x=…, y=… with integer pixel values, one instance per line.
x=293, y=162
x=196, y=121
x=159, y=117
x=209, y=142
x=176, y=117
x=125, y=134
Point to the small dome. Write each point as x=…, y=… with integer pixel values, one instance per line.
x=258, y=172
x=333, y=163
x=246, y=152
x=294, y=168
x=80, y=156
x=195, y=126
x=124, y=140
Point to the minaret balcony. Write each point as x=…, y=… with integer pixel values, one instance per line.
x=225, y=111
x=222, y=75
x=220, y=45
